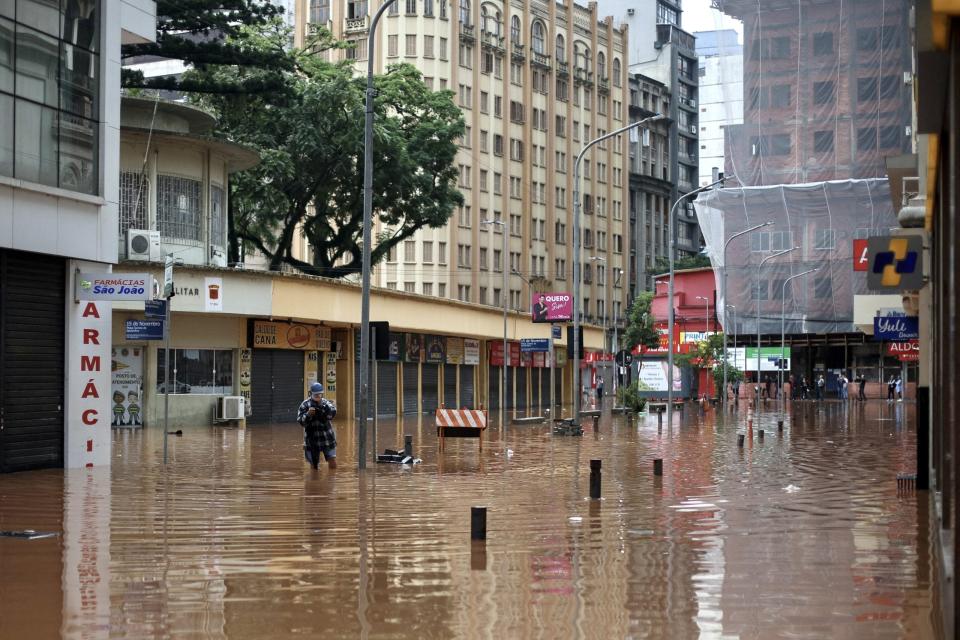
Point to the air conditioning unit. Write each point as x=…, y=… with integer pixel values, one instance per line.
x=230, y=408
x=143, y=244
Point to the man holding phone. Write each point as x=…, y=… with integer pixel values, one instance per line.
x=315, y=416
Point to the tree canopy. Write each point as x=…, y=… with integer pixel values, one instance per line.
x=696, y=261
x=310, y=178
x=640, y=328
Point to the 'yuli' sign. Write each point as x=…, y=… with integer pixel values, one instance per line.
x=896, y=328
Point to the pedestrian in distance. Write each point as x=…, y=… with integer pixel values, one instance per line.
x=899, y=387
x=821, y=385
x=862, y=382
x=600, y=390
x=804, y=388
x=316, y=415
x=891, y=389
x=844, y=386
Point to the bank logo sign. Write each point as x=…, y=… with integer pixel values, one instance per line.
x=895, y=263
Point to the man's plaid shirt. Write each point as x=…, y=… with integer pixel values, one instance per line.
x=318, y=427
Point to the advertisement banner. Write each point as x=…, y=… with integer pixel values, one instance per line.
x=908, y=351
x=897, y=328
x=396, y=347
x=560, y=357
x=414, y=348
x=471, y=351
x=213, y=294
x=330, y=373
x=653, y=376
x=539, y=359
x=526, y=359
x=496, y=353
x=551, y=307
x=454, y=350
x=246, y=360
x=126, y=385
x=436, y=349
x=114, y=286
x=290, y=335
x=745, y=359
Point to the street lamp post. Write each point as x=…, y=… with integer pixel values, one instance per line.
x=606, y=312
x=783, y=317
x=670, y=311
x=576, y=255
x=367, y=233
x=616, y=342
x=503, y=296
x=759, y=270
x=723, y=287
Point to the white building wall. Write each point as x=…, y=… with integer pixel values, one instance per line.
x=721, y=104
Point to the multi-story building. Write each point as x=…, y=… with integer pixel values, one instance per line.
x=59, y=155
x=721, y=95
x=651, y=183
x=665, y=53
x=536, y=81
x=826, y=90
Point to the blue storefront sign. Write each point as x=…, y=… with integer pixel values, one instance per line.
x=156, y=309
x=144, y=329
x=531, y=345
x=896, y=328
x=556, y=331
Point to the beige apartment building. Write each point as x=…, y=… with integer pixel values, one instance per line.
x=536, y=81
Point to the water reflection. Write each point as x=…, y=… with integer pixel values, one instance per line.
x=801, y=534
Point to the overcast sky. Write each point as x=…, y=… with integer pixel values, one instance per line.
x=698, y=16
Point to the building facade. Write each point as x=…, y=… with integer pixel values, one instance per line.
x=59, y=154
x=721, y=95
x=536, y=81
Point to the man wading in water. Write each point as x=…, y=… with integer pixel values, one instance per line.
x=315, y=415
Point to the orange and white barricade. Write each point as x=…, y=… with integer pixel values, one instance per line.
x=460, y=423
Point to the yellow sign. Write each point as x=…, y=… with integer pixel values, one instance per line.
x=290, y=335
x=454, y=350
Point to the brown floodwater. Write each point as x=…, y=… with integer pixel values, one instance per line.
x=799, y=535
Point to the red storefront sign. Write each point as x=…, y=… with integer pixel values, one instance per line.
x=907, y=351
x=496, y=354
x=860, y=262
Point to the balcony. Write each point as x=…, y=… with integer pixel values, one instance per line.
x=518, y=54
x=491, y=40
x=563, y=69
x=467, y=32
x=603, y=84
x=541, y=60
x=582, y=76
x=355, y=25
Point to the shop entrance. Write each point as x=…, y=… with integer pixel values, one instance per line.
x=32, y=290
x=277, y=386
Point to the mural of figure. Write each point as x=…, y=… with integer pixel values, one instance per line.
x=118, y=409
x=133, y=409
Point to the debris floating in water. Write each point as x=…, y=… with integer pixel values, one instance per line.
x=28, y=534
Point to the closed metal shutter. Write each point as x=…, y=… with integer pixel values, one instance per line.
x=522, y=403
x=509, y=393
x=558, y=386
x=544, y=390
x=387, y=388
x=493, y=386
x=277, y=385
x=450, y=400
x=32, y=290
x=409, y=387
x=466, y=386
x=431, y=382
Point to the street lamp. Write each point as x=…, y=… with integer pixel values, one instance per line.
x=576, y=256
x=367, y=232
x=734, y=325
x=618, y=272
x=783, y=316
x=723, y=286
x=759, y=270
x=606, y=312
x=670, y=310
x=503, y=296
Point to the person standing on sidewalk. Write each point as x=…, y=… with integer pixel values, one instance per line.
x=891, y=389
x=899, y=386
x=821, y=383
x=600, y=391
x=862, y=383
x=315, y=416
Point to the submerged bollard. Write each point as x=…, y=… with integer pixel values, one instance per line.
x=659, y=418
x=658, y=466
x=478, y=523
x=596, y=422
x=760, y=434
x=740, y=440
x=779, y=425
x=595, y=479
x=408, y=446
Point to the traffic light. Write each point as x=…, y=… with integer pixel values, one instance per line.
x=570, y=342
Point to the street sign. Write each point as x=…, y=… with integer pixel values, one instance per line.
x=168, y=277
x=895, y=263
x=624, y=358
x=556, y=331
x=114, y=286
x=156, y=309
x=531, y=345
x=144, y=329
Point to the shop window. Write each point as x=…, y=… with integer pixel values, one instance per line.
x=198, y=371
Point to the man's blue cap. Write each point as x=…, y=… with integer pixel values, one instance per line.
x=316, y=387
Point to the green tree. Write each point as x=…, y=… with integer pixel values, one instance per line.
x=708, y=354
x=640, y=329
x=696, y=261
x=212, y=34
x=310, y=178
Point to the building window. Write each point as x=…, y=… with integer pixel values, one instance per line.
x=824, y=239
x=866, y=89
x=197, y=371
x=463, y=255
x=516, y=112
x=427, y=46
x=822, y=141
x=320, y=11
x=218, y=226
x=867, y=39
x=780, y=96
x=466, y=56
x=411, y=48
x=178, y=208
x=427, y=288
x=442, y=290
x=866, y=139
x=515, y=30
x=465, y=12
x=442, y=254
x=667, y=14
x=760, y=292
x=392, y=44
x=823, y=288
x=823, y=92
x=538, y=38
x=823, y=43
x=428, y=251
x=516, y=150
x=134, y=191
x=463, y=292
x=617, y=71
x=409, y=251
x=356, y=9
x=428, y=8
x=410, y=287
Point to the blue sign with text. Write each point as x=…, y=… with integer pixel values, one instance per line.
x=556, y=331
x=144, y=329
x=155, y=309
x=896, y=328
x=530, y=345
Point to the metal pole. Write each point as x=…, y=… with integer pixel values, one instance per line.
x=553, y=368
x=367, y=233
x=759, y=270
x=723, y=290
x=506, y=355
x=783, y=318
x=166, y=376
x=670, y=311
x=576, y=256
x=376, y=393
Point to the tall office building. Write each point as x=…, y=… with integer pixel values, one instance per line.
x=536, y=81
x=720, y=57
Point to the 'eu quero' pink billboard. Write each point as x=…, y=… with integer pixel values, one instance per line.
x=551, y=307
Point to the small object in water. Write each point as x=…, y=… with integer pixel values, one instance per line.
x=178, y=432
x=28, y=534
x=906, y=481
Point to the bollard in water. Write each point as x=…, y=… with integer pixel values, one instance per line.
x=760, y=434
x=906, y=481
x=779, y=425
x=478, y=523
x=596, y=422
x=658, y=466
x=659, y=418
x=740, y=440
x=595, y=479
x=407, y=446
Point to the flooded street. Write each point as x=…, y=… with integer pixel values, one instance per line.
x=797, y=535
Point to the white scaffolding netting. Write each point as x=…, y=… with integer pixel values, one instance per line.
x=823, y=219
